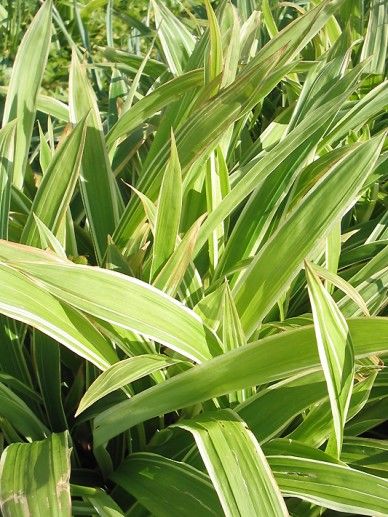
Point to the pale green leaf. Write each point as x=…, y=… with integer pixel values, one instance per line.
x=236, y=465
x=57, y=187
x=121, y=374
x=270, y=359
x=168, y=212
x=27, y=73
x=7, y=146
x=34, y=478
x=117, y=299
x=335, y=351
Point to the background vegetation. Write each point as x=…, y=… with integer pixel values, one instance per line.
x=193, y=258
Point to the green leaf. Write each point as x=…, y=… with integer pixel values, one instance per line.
x=366, y=454
x=121, y=374
x=45, y=154
x=176, y=42
x=48, y=240
x=34, y=478
x=166, y=487
x=26, y=301
x=317, y=425
x=346, y=287
x=232, y=332
x=20, y=416
x=376, y=38
x=270, y=359
x=132, y=62
x=102, y=503
x=370, y=282
x=374, y=102
x=152, y=103
x=292, y=396
x=53, y=107
x=335, y=351
x=47, y=362
x=200, y=133
x=332, y=486
x=214, y=64
x=7, y=145
x=56, y=189
x=284, y=155
x=269, y=19
x=27, y=73
x=12, y=359
x=295, y=36
x=236, y=465
x=173, y=272
x=117, y=299
x=48, y=105
x=273, y=269
x=168, y=212
x=99, y=191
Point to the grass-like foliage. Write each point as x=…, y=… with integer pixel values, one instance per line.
x=193, y=258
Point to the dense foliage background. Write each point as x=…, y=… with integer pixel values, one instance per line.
x=193, y=258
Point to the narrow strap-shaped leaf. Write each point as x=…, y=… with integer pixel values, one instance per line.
x=270, y=359
x=149, y=209
x=335, y=351
x=48, y=240
x=213, y=199
x=7, y=146
x=273, y=268
x=342, y=284
x=53, y=107
x=117, y=90
x=120, y=374
x=232, y=332
x=201, y=132
x=103, y=504
x=48, y=105
x=118, y=299
x=98, y=188
x=365, y=109
x=269, y=19
x=371, y=454
x=214, y=64
x=376, y=38
x=298, y=33
x=25, y=301
x=176, y=41
x=27, y=73
x=152, y=103
x=56, y=189
x=166, y=487
x=173, y=272
x=47, y=361
x=317, y=426
x=12, y=357
x=236, y=465
x=34, y=478
x=20, y=416
x=370, y=283
x=168, y=212
x=292, y=395
x=45, y=153
x=290, y=148
x=333, y=486
x=20, y=388
x=333, y=252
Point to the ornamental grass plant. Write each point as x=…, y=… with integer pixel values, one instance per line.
x=193, y=258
